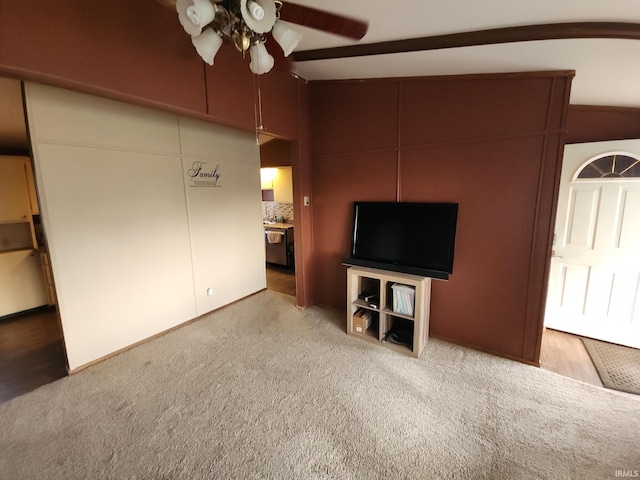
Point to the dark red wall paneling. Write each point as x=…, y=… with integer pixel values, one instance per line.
x=231, y=89
x=275, y=153
x=278, y=96
x=493, y=144
x=465, y=108
x=136, y=51
x=337, y=181
x=353, y=116
x=302, y=188
x=115, y=47
x=592, y=123
x=484, y=301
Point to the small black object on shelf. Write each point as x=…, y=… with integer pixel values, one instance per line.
x=400, y=333
x=372, y=299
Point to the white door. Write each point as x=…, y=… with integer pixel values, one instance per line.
x=594, y=284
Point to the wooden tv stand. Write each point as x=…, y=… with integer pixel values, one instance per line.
x=380, y=309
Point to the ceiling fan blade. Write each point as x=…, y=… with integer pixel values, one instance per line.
x=171, y=4
x=322, y=20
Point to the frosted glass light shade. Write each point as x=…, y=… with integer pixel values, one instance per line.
x=194, y=15
x=286, y=37
x=261, y=61
x=207, y=45
x=265, y=9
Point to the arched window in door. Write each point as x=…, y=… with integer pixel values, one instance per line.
x=611, y=165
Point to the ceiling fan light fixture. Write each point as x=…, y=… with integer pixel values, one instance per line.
x=245, y=23
x=286, y=37
x=194, y=15
x=255, y=10
x=261, y=61
x=241, y=40
x=264, y=11
x=207, y=45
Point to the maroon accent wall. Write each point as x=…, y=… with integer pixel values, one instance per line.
x=353, y=116
x=231, y=89
x=275, y=153
x=493, y=144
x=301, y=170
x=136, y=51
x=593, y=123
x=109, y=47
x=278, y=96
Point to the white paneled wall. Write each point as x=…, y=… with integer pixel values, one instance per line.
x=134, y=244
x=225, y=214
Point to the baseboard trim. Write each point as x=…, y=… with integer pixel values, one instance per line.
x=157, y=335
x=487, y=350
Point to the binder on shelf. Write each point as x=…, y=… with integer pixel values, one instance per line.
x=403, y=299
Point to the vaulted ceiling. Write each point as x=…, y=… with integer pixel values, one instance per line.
x=607, y=69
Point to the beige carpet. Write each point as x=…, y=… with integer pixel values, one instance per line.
x=617, y=366
x=263, y=390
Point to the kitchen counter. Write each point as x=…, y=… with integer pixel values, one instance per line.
x=278, y=225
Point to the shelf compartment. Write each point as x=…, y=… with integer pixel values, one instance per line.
x=366, y=322
x=369, y=292
x=401, y=299
x=362, y=304
x=400, y=333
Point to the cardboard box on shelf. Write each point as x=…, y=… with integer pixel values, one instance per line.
x=361, y=320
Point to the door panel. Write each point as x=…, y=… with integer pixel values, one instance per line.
x=594, y=284
x=583, y=216
x=628, y=233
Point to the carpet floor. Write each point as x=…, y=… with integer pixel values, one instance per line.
x=263, y=390
x=617, y=366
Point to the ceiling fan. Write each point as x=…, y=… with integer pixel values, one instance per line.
x=246, y=22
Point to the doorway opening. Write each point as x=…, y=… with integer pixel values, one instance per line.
x=31, y=343
x=594, y=286
x=278, y=216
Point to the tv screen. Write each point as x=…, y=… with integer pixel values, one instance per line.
x=415, y=238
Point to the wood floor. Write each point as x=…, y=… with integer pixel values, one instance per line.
x=281, y=279
x=566, y=355
x=31, y=352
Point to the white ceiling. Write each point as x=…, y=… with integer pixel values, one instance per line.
x=607, y=70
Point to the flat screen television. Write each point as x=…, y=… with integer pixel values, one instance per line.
x=415, y=238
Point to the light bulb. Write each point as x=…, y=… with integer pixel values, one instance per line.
x=259, y=15
x=255, y=10
x=194, y=15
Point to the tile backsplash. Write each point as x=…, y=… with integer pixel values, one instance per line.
x=275, y=209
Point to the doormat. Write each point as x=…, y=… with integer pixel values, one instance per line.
x=618, y=366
